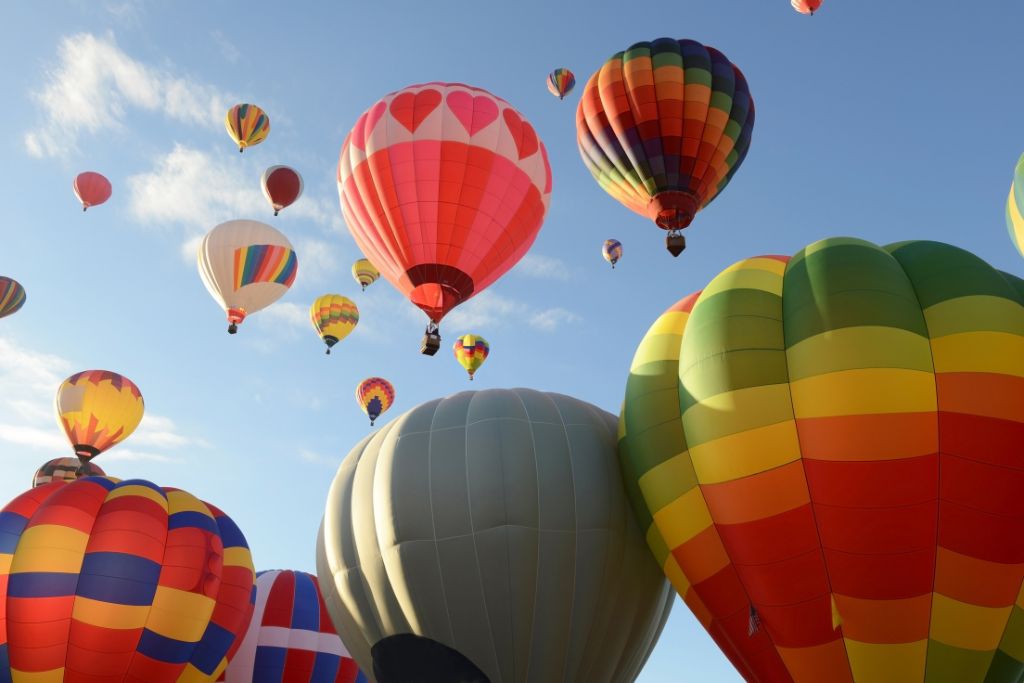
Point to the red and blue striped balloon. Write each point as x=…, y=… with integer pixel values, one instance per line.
x=291, y=638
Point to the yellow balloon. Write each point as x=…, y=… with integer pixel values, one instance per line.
x=247, y=125
x=98, y=409
x=365, y=273
x=334, y=317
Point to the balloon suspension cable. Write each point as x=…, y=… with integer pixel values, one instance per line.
x=232, y=328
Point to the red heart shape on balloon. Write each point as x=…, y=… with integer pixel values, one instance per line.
x=474, y=113
x=522, y=132
x=364, y=126
x=410, y=110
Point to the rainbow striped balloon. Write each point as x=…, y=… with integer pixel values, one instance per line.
x=247, y=125
x=12, y=296
x=291, y=638
x=121, y=581
x=560, y=82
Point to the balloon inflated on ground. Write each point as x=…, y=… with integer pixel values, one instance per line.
x=473, y=182
x=825, y=453
x=122, y=581
x=488, y=535
x=665, y=145
x=246, y=266
x=98, y=409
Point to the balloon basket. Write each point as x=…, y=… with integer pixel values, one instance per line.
x=675, y=243
x=431, y=343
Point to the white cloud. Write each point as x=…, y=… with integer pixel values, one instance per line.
x=36, y=438
x=493, y=310
x=550, y=319
x=121, y=454
x=286, y=315
x=94, y=86
x=320, y=262
x=227, y=49
x=542, y=267
x=160, y=432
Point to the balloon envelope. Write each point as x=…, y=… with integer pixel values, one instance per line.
x=246, y=266
x=290, y=638
x=561, y=82
x=1015, y=207
x=806, y=6
x=65, y=469
x=825, y=454
x=663, y=126
x=471, y=351
x=612, y=251
x=91, y=188
x=334, y=317
x=282, y=185
x=364, y=273
x=12, y=296
x=123, y=581
x=98, y=409
x=375, y=395
x=493, y=525
x=247, y=125
x=444, y=187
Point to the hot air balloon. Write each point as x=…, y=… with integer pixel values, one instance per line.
x=12, y=296
x=98, y=409
x=107, y=580
x=334, y=316
x=444, y=187
x=282, y=185
x=364, y=273
x=561, y=82
x=663, y=127
x=246, y=266
x=806, y=6
x=291, y=638
x=375, y=395
x=471, y=351
x=1015, y=207
x=92, y=189
x=487, y=537
x=65, y=469
x=612, y=251
x=825, y=454
x=247, y=125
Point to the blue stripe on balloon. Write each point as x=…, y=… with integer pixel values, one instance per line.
x=118, y=578
x=41, y=585
x=142, y=482
x=306, y=606
x=325, y=668
x=361, y=678
x=268, y=664
x=230, y=534
x=212, y=648
x=11, y=526
x=191, y=518
x=164, y=649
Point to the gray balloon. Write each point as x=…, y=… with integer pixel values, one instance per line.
x=487, y=537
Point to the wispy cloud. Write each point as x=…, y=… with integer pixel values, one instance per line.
x=95, y=84
x=542, y=267
x=316, y=458
x=227, y=49
x=489, y=309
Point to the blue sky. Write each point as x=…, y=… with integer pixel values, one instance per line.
x=874, y=119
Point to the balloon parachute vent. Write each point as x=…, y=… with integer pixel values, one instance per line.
x=675, y=243
x=232, y=328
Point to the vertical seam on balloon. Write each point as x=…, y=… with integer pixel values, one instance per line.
x=803, y=468
x=476, y=551
x=433, y=522
x=389, y=595
x=292, y=630
x=695, y=179
x=536, y=589
x=371, y=604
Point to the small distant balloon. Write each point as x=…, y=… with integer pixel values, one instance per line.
x=612, y=251
x=806, y=6
x=65, y=469
x=282, y=186
x=561, y=82
x=247, y=125
x=12, y=296
x=334, y=317
x=471, y=351
x=98, y=409
x=1015, y=207
x=92, y=189
x=364, y=273
x=375, y=395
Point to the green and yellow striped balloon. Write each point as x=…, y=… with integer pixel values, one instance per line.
x=827, y=454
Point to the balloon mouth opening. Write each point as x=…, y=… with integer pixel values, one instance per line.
x=363, y=285
x=330, y=340
x=438, y=288
x=235, y=317
x=85, y=452
x=409, y=658
x=672, y=210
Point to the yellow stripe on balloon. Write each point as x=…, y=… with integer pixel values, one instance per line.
x=1017, y=221
x=879, y=347
x=866, y=391
x=180, y=501
x=746, y=453
x=740, y=410
x=50, y=548
x=750, y=274
x=971, y=627
x=887, y=662
x=109, y=614
x=51, y=676
x=683, y=518
x=139, y=491
x=667, y=481
x=237, y=556
x=996, y=352
x=969, y=313
x=5, y=563
x=179, y=614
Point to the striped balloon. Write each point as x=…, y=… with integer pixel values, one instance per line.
x=108, y=580
x=291, y=638
x=98, y=409
x=334, y=317
x=375, y=395
x=471, y=351
x=12, y=296
x=364, y=273
x=826, y=454
x=560, y=82
x=247, y=125
x=1015, y=207
x=612, y=251
x=65, y=469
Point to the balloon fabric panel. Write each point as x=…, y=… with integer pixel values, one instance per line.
x=12, y=296
x=817, y=399
x=265, y=263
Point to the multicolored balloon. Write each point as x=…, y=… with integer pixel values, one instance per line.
x=334, y=316
x=291, y=638
x=247, y=125
x=806, y=6
x=364, y=273
x=246, y=266
x=375, y=395
x=91, y=188
x=663, y=127
x=612, y=251
x=282, y=186
x=487, y=536
x=108, y=580
x=98, y=409
x=1015, y=207
x=471, y=351
x=561, y=82
x=444, y=187
x=12, y=296
x=825, y=454
x=65, y=469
